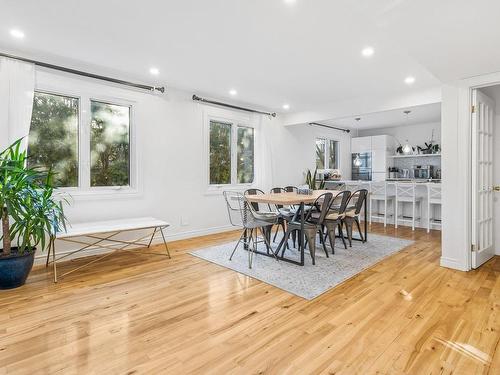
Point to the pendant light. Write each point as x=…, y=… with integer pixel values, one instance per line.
x=407, y=148
x=357, y=160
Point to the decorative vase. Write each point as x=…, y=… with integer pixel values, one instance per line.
x=15, y=268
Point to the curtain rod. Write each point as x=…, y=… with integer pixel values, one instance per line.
x=198, y=99
x=85, y=74
x=330, y=127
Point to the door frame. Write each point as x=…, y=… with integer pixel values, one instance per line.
x=465, y=89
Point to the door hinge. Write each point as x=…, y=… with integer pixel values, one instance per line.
x=472, y=247
x=473, y=109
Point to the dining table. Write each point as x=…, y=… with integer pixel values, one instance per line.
x=300, y=200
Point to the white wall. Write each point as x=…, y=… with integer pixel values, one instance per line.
x=416, y=134
x=171, y=160
x=456, y=159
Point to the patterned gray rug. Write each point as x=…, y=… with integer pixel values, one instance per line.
x=307, y=281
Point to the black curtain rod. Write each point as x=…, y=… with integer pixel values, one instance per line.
x=198, y=99
x=330, y=127
x=85, y=74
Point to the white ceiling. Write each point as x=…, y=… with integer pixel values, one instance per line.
x=305, y=53
x=423, y=114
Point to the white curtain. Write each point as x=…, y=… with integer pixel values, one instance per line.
x=17, y=86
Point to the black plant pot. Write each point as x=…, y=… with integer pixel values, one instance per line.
x=15, y=268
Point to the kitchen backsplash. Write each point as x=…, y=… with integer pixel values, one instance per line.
x=409, y=163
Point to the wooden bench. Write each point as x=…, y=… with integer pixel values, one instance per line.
x=100, y=234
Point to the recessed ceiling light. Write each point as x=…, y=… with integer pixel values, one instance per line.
x=286, y=106
x=233, y=92
x=410, y=80
x=154, y=71
x=367, y=51
x=16, y=33
x=289, y=1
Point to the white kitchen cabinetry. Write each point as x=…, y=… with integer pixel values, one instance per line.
x=361, y=145
x=381, y=148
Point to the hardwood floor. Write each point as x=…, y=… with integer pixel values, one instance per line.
x=151, y=315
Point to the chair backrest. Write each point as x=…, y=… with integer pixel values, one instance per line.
x=235, y=203
x=254, y=191
x=378, y=188
x=323, y=202
x=405, y=190
x=339, y=202
x=434, y=191
x=238, y=208
x=277, y=190
x=291, y=189
x=357, y=199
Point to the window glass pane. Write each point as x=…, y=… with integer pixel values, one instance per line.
x=245, y=155
x=109, y=144
x=320, y=153
x=220, y=153
x=333, y=155
x=53, y=137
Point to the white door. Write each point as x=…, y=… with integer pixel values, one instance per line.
x=482, y=178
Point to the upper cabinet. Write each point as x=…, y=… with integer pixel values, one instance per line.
x=380, y=142
x=371, y=143
x=361, y=144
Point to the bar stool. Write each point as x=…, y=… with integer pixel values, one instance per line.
x=406, y=193
x=433, y=199
x=378, y=193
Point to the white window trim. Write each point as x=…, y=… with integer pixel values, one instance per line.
x=327, y=151
x=237, y=119
x=84, y=191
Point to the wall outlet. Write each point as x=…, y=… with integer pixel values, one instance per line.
x=184, y=221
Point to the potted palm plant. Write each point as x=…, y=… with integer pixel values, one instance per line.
x=29, y=214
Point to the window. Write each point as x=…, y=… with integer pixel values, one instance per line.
x=86, y=142
x=53, y=137
x=220, y=153
x=327, y=153
x=245, y=155
x=231, y=153
x=109, y=144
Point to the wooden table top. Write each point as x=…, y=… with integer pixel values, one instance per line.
x=286, y=199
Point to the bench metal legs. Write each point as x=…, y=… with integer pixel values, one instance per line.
x=98, y=243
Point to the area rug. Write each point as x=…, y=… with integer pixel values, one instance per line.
x=307, y=281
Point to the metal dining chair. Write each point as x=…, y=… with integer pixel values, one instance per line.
x=311, y=226
x=242, y=215
x=333, y=219
x=284, y=213
x=353, y=211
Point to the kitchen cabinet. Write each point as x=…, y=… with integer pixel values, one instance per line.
x=380, y=142
x=361, y=144
x=379, y=161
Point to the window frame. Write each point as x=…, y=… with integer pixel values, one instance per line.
x=84, y=190
x=326, y=160
x=237, y=120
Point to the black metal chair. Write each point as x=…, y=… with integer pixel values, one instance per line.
x=242, y=215
x=311, y=226
x=333, y=219
x=353, y=211
x=284, y=213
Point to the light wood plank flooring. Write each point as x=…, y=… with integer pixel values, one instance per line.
x=151, y=315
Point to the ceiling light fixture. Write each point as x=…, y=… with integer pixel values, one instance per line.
x=410, y=80
x=368, y=51
x=154, y=71
x=407, y=148
x=233, y=92
x=16, y=33
x=286, y=107
x=289, y=1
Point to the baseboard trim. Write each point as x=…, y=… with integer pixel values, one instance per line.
x=40, y=258
x=453, y=264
